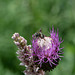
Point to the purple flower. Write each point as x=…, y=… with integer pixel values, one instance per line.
x=46, y=50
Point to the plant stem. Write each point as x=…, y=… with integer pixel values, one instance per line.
x=47, y=73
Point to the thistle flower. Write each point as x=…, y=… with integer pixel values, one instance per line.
x=43, y=55
x=46, y=51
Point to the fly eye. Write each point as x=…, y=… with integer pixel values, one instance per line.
x=37, y=35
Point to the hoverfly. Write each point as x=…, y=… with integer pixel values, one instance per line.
x=39, y=34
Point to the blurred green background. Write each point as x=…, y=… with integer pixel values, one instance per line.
x=28, y=16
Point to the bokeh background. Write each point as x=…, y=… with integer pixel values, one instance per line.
x=27, y=17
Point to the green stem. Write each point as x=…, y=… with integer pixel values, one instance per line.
x=47, y=73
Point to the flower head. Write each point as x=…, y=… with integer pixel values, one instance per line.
x=46, y=50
